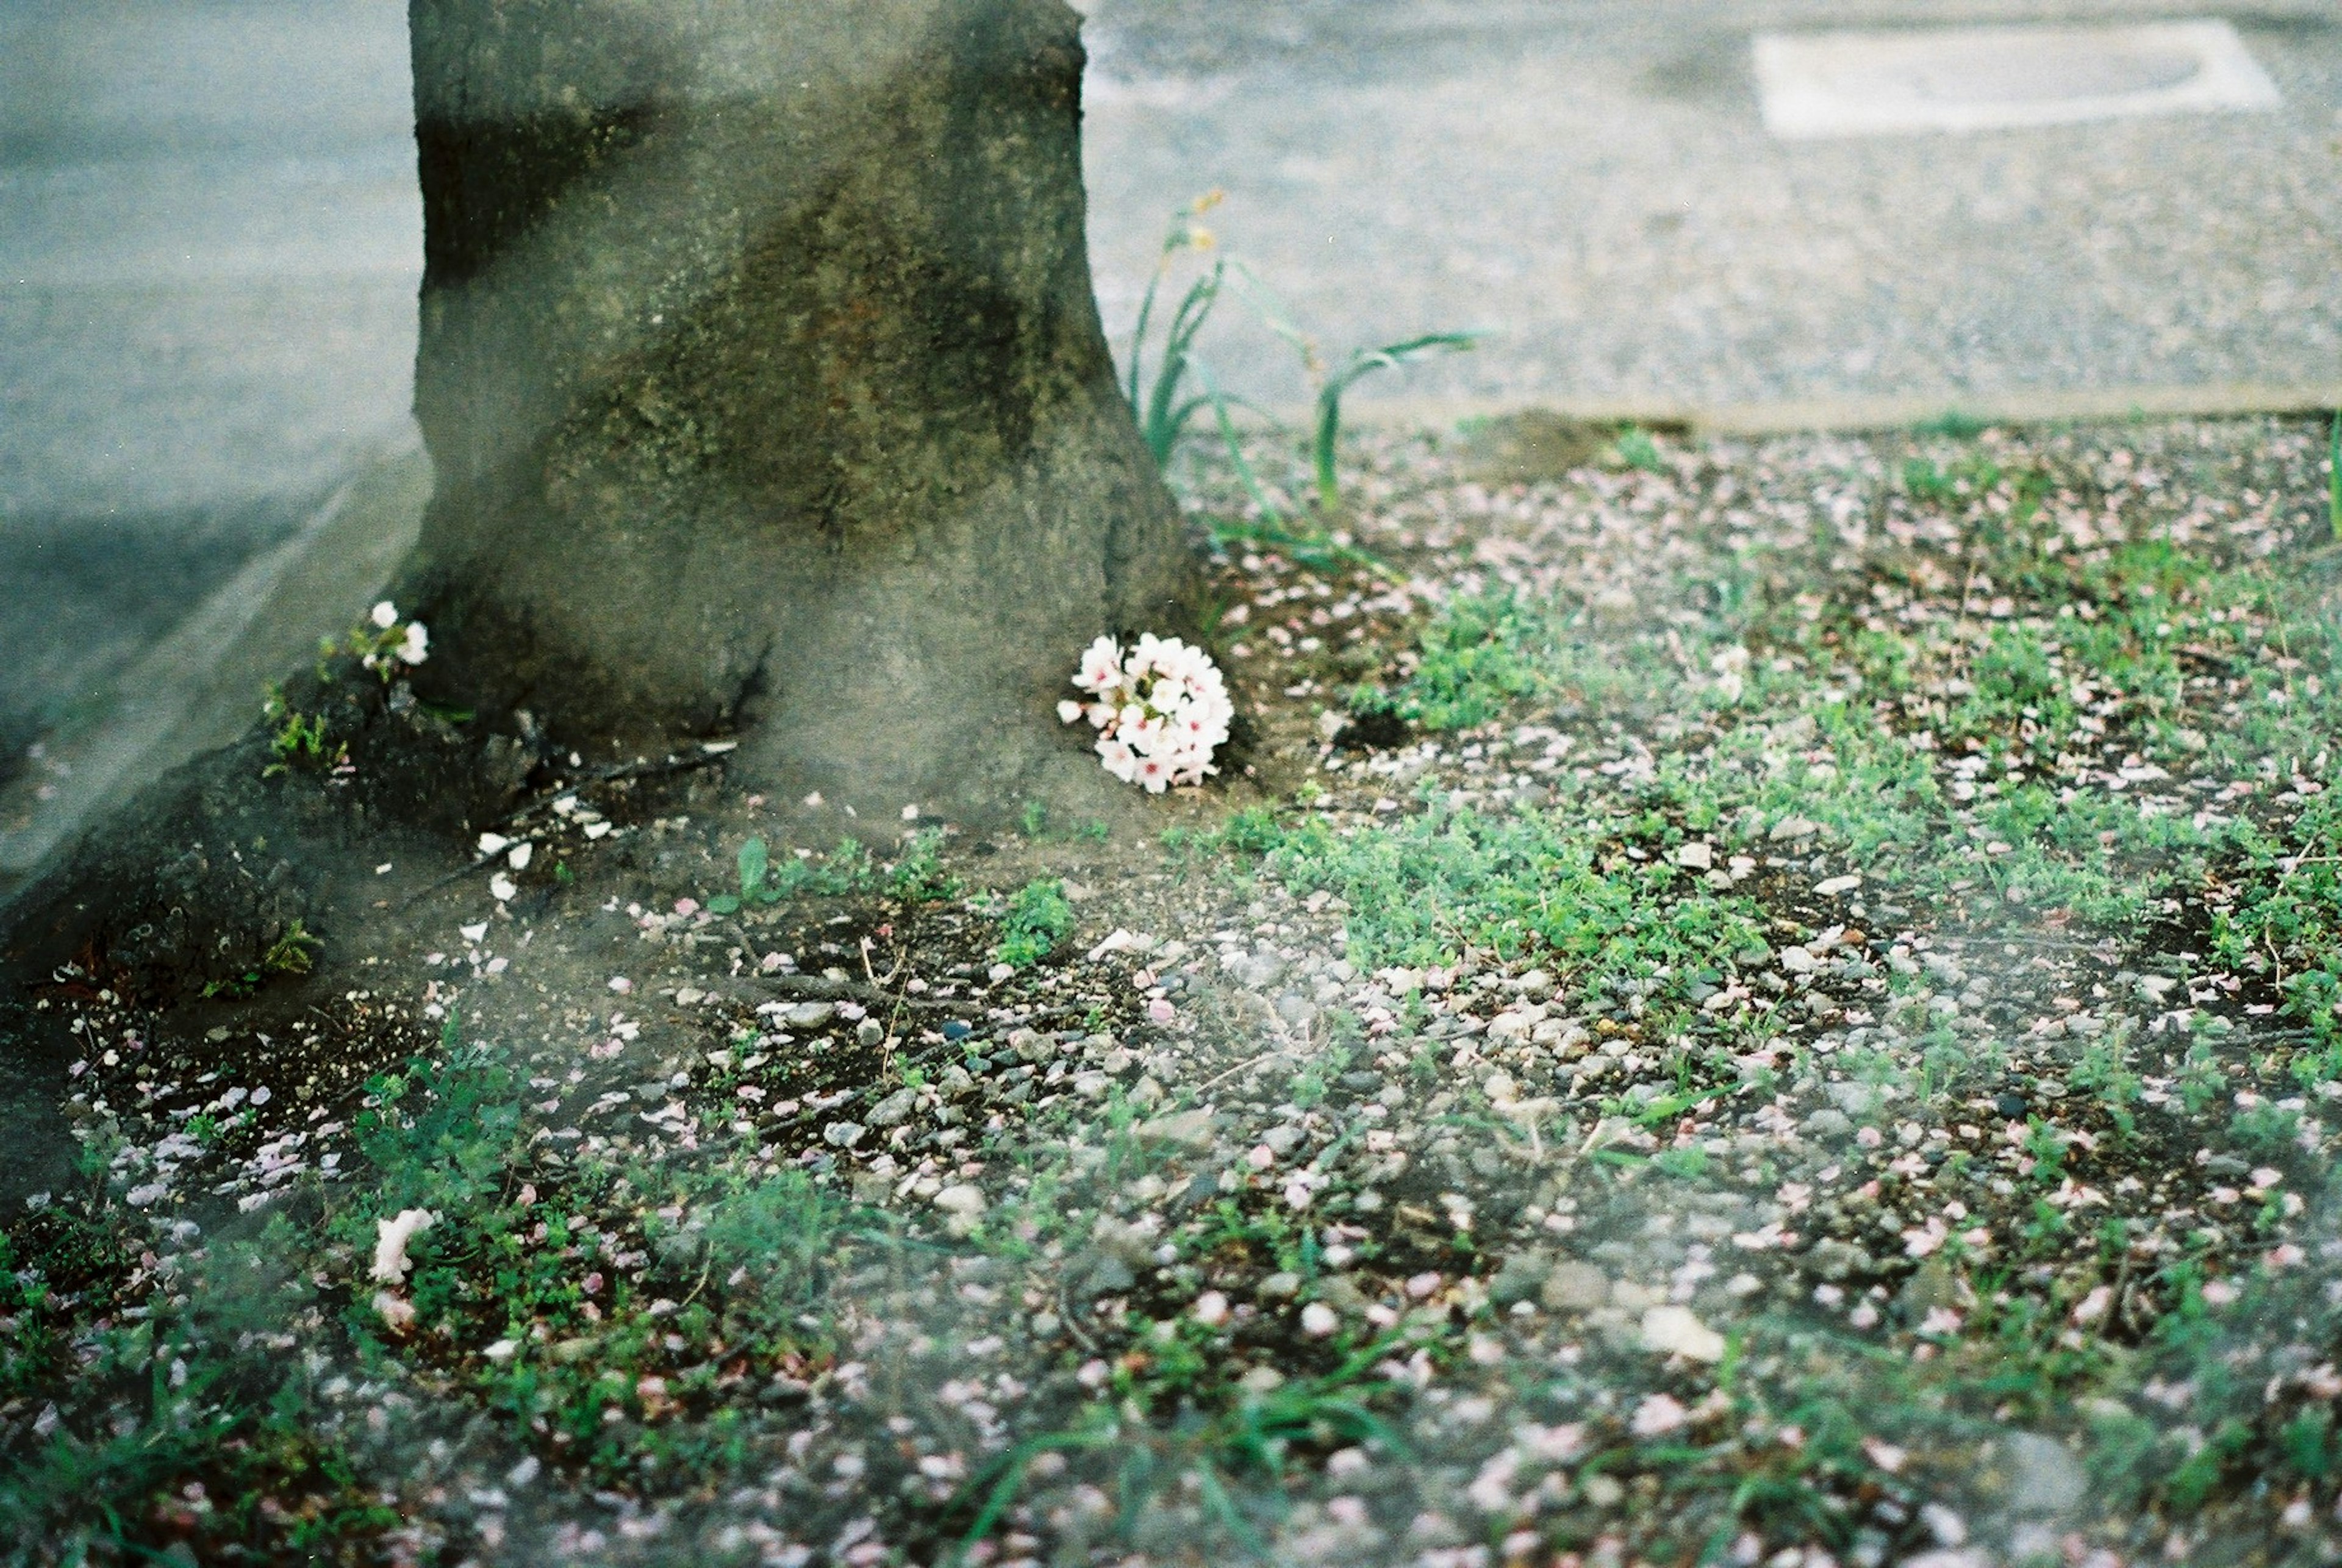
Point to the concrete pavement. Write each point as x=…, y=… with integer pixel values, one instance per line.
x=1594, y=180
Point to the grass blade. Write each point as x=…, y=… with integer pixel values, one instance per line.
x=1363, y=362
x=1165, y=416
x=2334, y=478
x=1252, y=484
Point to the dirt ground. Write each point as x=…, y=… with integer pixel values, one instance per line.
x=1756, y=1002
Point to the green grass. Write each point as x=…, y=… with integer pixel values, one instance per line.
x=1559, y=883
x=181, y=1393
x=1227, y=1444
x=1033, y=924
x=916, y=873
x=607, y=1366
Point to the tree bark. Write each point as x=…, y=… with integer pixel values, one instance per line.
x=765, y=389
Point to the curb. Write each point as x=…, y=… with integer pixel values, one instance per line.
x=1900, y=411
x=200, y=687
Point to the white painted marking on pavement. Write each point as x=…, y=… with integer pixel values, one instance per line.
x=1882, y=82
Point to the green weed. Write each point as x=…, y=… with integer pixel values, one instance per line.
x=299, y=740
x=1634, y=448
x=1034, y=923
x=1164, y=410
x=1478, y=656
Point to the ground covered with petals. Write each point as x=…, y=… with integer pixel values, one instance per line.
x=1744, y=1002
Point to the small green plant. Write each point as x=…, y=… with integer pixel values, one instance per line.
x=1035, y=922
x=290, y=953
x=1248, y=1437
x=1636, y=450
x=1952, y=423
x=1924, y=480
x=1326, y=430
x=1478, y=657
x=383, y=642
x=849, y=869
x=917, y=874
x=299, y=740
x=1162, y=411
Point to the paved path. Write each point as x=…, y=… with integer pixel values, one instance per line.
x=1592, y=178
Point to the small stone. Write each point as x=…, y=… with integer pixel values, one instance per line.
x=894, y=1109
x=1187, y=1129
x=809, y=1014
x=1109, y=1275
x=1827, y=1122
x=2046, y=1479
x=2012, y=1106
x=1031, y=1046
x=1797, y=961
x=1934, y=1285
x=1604, y=1491
x=1695, y=856
x=963, y=1206
x=1669, y=1329
x=1856, y=1097
x=869, y=1031
x=1832, y=1259
x=1280, y=1284
x=1574, y=1286
x=1523, y=1277
x=843, y=1134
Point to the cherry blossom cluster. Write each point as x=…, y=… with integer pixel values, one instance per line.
x=382, y=644
x=1160, y=710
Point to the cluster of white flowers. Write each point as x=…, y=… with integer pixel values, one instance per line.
x=376, y=649
x=1160, y=711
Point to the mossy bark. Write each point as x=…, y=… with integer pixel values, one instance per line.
x=765, y=388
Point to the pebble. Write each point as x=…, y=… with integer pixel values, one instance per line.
x=1188, y=1129
x=1678, y=1331
x=2045, y=1478
x=1574, y=1286
x=894, y=1109
x=809, y=1014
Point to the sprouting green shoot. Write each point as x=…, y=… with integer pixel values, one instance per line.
x=1219, y=401
x=1163, y=413
x=1365, y=362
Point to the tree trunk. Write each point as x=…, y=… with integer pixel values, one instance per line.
x=765, y=388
